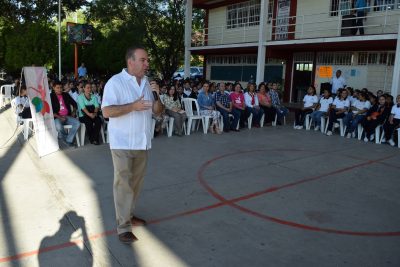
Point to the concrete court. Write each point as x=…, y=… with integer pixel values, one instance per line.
x=261, y=197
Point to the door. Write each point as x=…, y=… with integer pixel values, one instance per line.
x=302, y=79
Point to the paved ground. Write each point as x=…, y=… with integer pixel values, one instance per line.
x=261, y=197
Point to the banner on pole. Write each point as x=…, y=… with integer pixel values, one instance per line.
x=42, y=113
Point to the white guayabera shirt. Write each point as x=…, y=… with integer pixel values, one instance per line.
x=131, y=131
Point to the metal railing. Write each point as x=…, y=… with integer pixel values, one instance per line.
x=318, y=25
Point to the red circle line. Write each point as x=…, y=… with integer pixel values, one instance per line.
x=233, y=202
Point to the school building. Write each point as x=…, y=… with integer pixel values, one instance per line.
x=297, y=43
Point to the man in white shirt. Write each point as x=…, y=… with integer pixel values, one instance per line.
x=338, y=82
x=129, y=102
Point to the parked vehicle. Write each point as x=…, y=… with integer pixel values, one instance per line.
x=195, y=72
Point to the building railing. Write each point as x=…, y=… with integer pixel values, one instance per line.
x=319, y=25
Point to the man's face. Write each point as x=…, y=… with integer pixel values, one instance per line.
x=139, y=65
x=274, y=86
x=187, y=86
x=57, y=89
x=222, y=87
x=338, y=73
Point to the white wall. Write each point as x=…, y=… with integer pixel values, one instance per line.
x=372, y=77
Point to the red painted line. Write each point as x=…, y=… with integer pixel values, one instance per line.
x=226, y=202
x=274, y=189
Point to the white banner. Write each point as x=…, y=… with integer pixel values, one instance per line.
x=282, y=20
x=42, y=112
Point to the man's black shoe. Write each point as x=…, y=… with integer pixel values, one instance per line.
x=127, y=237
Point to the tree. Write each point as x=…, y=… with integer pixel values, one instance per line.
x=28, y=44
x=162, y=23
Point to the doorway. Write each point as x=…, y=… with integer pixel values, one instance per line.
x=302, y=79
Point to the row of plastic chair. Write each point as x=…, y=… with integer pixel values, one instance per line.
x=379, y=132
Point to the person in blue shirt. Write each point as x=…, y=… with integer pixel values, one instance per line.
x=207, y=108
x=82, y=71
x=360, y=11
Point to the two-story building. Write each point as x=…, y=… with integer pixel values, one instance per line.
x=298, y=42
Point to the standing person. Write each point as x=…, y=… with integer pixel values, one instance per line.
x=61, y=103
x=360, y=11
x=337, y=82
x=129, y=103
x=88, y=112
x=82, y=71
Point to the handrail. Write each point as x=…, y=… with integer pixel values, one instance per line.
x=300, y=26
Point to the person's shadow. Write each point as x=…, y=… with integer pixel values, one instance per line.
x=58, y=250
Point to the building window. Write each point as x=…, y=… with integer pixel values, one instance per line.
x=244, y=14
x=335, y=58
x=344, y=6
x=382, y=5
x=374, y=58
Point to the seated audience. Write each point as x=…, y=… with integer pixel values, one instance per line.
x=375, y=116
x=340, y=107
x=63, y=114
x=174, y=109
x=224, y=106
x=239, y=106
x=310, y=101
x=393, y=122
x=88, y=112
x=253, y=106
x=207, y=108
x=356, y=114
x=322, y=108
x=266, y=103
x=23, y=104
x=281, y=110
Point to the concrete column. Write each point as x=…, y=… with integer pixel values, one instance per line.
x=188, y=35
x=262, y=33
x=396, y=70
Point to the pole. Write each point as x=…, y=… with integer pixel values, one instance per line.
x=261, y=52
x=396, y=69
x=59, y=39
x=188, y=36
x=76, y=61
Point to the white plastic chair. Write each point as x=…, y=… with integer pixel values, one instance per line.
x=7, y=94
x=250, y=120
x=193, y=115
x=27, y=123
x=276, y=119
x=342, y=127
x=67, y=127
x=83, y=132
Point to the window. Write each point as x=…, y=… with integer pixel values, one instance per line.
x=243, y=14
x=363, y=58
x=375, y=58
x=334, y=58
x=382, y=5
x=344, y=6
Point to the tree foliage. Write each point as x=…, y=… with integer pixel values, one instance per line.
x=161, y=22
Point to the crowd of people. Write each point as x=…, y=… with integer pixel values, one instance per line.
x=78, y=101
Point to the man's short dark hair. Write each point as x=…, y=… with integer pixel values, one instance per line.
x=57, y=83
x=130, y=52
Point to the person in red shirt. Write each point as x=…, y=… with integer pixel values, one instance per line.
x=238, y=103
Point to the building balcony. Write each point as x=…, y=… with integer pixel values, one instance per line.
x=306, y=27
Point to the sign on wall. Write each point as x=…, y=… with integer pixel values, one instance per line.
x=325, y=72
x=282, y=20
x=42, y=113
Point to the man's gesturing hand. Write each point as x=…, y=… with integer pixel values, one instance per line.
x=141, y=104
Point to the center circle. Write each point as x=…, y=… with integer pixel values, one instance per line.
x=233, y=202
